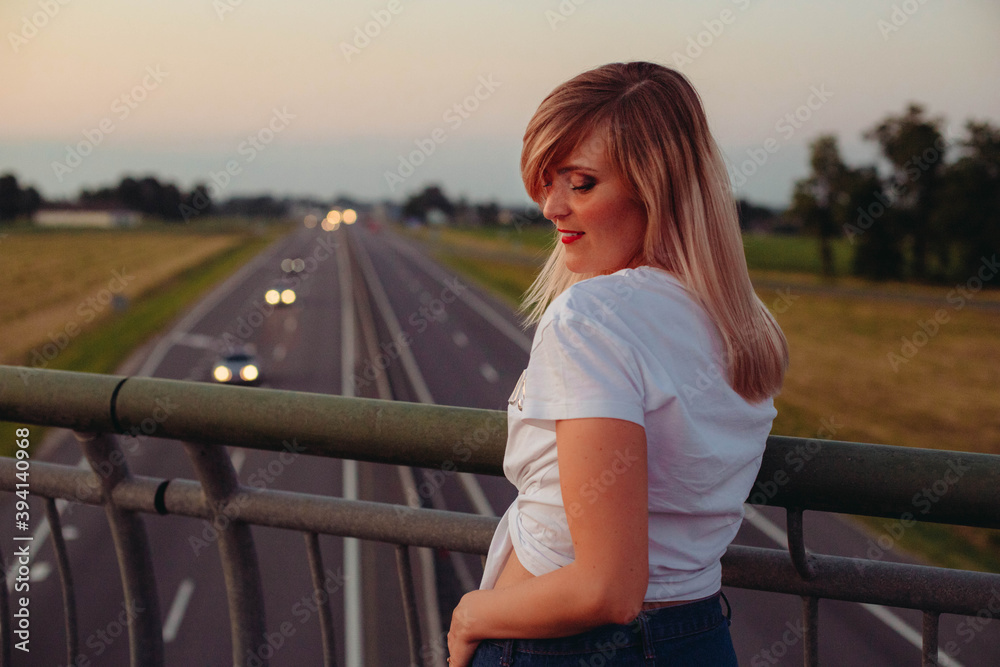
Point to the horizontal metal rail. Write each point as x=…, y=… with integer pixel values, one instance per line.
x=807, y=474
x=797, y=474
x=852, y=579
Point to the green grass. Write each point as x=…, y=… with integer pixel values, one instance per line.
x=506, y=280
x=764, y=252
x=943, y=545
x=528, y=240
x=795, y=254
x=102, y=348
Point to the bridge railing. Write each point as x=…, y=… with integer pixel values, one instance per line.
x=796, y=474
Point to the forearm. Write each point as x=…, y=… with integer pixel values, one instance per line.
x=560, y=603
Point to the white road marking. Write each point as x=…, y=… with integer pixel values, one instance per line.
x=377, y=293
x=427, y=573
x=489, y=373
x=238, y=458
x=202, y=308
x=353, y=631
x=773, y=531
x=765, y=525
x=485, y=310
x=279, y=352
x=177, y=609
x=475, y=492
x=194, y=340
x=460, y=338
x=70, y=533
x=39, y=572
x=42, y=532
x=908, y=633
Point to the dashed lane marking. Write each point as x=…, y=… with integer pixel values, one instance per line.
x=176, y=614
x=773, y=531
x=489, y=373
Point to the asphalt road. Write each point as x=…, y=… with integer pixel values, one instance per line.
x=466, y=350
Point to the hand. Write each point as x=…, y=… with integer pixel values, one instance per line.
x=460, y=644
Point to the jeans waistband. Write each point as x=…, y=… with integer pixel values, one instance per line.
x=650, y=626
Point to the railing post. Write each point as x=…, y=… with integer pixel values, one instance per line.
x=132, y=548
x=322, y=599
x=810, y=637
x=240, y=568
x=4, y=617
x=929, y=657
x=409, y=603
x=65, y=580
x=797, y=543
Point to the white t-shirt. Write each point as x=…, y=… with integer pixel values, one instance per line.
x=633, y=345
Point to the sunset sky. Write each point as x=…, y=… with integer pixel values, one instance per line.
x=298, y=100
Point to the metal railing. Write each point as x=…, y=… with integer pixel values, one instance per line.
x=796, y=474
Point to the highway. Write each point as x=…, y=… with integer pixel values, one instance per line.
x=363, y=294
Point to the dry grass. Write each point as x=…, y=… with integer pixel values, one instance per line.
x=944, y=397
x=48, y=278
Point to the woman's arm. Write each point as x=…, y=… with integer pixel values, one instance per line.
x=603, y=478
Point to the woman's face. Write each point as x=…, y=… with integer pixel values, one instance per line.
x=600, y=225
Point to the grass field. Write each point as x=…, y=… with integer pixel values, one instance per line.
x=941, y=396
x=70, y=274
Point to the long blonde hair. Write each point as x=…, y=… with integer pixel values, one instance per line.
x=655, y=134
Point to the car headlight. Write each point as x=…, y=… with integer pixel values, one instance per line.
x=222, y=374
x=288, y=296
x=272, y=296
x=249, y=373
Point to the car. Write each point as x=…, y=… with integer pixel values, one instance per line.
x=281, y=293
x=237, y=367
x=293, y=266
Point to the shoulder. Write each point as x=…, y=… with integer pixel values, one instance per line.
x=608, y=298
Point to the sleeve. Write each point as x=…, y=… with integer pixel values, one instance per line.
x=579, y=368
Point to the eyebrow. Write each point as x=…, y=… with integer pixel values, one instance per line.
x=574, y=167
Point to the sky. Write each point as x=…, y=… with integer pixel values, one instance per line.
x=376, y=99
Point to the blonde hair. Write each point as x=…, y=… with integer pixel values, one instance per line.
x=650, y=122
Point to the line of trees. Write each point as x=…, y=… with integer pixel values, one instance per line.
x=149, y=196
x=929, y=219
x=146, y=195
x=15, y=201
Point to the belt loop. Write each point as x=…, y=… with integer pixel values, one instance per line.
x=647, y=639
x=508, y=651
x=729, y=609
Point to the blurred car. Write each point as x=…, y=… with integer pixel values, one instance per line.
x=281, y=293
x=237, y=367
x=293, y=266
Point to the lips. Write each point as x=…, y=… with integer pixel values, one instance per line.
x=569, y=235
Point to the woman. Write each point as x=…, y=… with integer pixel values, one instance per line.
x=637, y=429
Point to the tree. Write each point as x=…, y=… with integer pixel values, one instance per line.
x=968, y=211
x=432, y=197
x=915, y=148
x=10, y=197
x=15, y=201
x=819, y=201
x=871, y=228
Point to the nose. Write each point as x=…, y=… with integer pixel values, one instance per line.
x=556, y=204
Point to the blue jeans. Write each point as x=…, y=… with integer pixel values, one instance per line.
x=685, y=635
